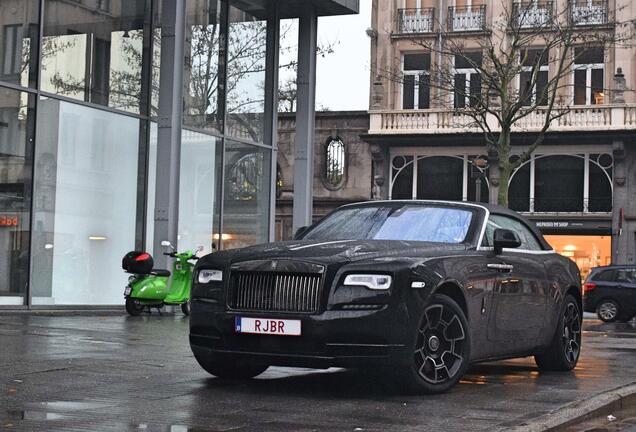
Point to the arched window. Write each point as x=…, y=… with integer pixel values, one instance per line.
x=560, y=184
x=335, y=163
x=245, y=177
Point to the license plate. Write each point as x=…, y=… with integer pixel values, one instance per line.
x=127, y=291
x=267, y=326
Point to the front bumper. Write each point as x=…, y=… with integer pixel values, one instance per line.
x=340, y=338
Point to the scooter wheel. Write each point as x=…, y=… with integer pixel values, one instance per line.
x=185, y=308
x=133, y=307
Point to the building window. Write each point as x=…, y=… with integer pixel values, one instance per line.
x=563, y=183
x=588, y=75
x=244, y=177
x=467, y=80
x=533, y=91
x=436, y=177
x=416, y=81
x=335, y=162
x=11, y=50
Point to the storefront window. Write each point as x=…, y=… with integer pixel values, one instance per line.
x=247, y=43
x=85, y=200
x=247, y=194
x=17, y=116
x=201, y=75
x=94, y=54
x=559, y=184
x=440, y=177
x=19, y=31
x=198, y=197
x=519, y=189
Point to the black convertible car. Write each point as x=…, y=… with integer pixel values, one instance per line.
x=423, y=287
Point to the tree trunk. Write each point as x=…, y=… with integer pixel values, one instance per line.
x=505, y=168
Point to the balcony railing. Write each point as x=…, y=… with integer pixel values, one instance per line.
x=588, y=12
x=415, y=20
x=432, y=121
x=466, y=18
x=532, y=14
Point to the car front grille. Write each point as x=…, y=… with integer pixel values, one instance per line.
x=276, y=292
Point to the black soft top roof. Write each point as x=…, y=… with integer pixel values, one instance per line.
x=492, y=208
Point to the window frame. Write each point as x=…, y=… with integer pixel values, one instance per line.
x=416, y=74
x=588, y=68
x=468, y=72
x=543, y=68
x=325, y=155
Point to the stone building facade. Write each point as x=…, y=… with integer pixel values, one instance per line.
x=349, y=181
x=579, y=185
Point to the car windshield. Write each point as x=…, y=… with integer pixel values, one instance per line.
x=408, y=222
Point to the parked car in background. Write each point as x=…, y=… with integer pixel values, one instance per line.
x=423, y=287
x=610, y=291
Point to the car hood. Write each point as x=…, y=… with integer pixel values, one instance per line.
x=333, y=251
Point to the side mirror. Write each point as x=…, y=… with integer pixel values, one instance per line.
x=505, y=238
x=166, y=243
x=299, y=232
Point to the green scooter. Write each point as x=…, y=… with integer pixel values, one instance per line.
x=151, y=288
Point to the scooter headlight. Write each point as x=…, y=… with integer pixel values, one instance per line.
x=207, y=276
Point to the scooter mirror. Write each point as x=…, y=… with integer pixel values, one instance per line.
x=166, y=243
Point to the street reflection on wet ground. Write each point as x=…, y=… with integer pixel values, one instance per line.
x=77, y=373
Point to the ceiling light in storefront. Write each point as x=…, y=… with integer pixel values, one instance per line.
x=569, y=247
x=224, y=236
x=97, y=238
x=48, y=246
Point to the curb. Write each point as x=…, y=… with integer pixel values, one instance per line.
x=602, y=404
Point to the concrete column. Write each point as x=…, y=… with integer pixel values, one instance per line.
x=305, y=117
x=166, y=212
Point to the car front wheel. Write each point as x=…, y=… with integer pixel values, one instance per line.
x=607, y=310
x=563, y=352
x=441, y=351
x=229, y=367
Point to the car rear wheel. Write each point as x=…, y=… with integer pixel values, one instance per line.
x=229, y=367
x=441, y=350
x=563, y=352
x=607, y=310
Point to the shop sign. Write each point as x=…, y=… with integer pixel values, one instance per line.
x=7, y=221
x=574, y=225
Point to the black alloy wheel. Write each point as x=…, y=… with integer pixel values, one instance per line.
x=565, y=348
x=442, y=347
x=607, y=310
x=133, y=307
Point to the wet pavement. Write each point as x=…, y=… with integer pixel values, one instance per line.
x=117, y=373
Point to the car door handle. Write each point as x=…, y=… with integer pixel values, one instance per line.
x=504, y=268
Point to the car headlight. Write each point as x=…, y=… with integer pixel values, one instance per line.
x=371, y=281
x=207, y=276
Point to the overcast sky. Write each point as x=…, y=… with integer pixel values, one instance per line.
x=342, y=76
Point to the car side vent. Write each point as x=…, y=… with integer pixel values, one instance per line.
x=276, y=292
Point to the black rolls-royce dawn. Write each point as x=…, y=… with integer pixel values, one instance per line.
x=423, y=287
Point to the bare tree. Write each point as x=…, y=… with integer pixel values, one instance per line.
x=509, y=84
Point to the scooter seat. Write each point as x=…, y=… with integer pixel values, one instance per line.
x=160, y=272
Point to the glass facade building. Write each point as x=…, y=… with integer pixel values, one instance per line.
x=80, y=104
